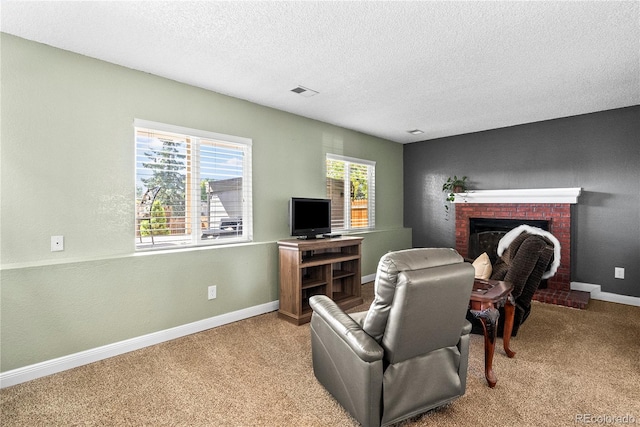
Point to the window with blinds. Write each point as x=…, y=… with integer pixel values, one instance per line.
x=351, y=188
x=192, y=187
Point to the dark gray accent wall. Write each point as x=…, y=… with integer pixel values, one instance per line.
x=598, y=152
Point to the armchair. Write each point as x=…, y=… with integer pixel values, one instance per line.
x=527, y=255
x=407, y=354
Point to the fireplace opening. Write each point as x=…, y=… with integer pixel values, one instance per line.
x=485, y=233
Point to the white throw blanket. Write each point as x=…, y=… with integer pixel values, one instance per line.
x=511, y=235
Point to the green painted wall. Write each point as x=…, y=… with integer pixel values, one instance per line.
x=67, y=168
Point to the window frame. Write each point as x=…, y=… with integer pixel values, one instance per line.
x=193, y=166
x=371, y=172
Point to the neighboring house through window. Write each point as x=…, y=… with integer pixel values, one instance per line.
x=351, y=188
x=193, y=187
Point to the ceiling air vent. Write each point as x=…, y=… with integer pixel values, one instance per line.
x=304, y=91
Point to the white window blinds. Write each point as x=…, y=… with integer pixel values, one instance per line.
x=351, y=188
x=192, y=187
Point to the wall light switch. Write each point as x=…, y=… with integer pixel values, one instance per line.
x=57, y=243
x=619, y=273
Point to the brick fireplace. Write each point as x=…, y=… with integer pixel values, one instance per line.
x=551, y=205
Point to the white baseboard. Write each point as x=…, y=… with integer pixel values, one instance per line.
x=596, y=293
x=48, y=367
x=367, y=279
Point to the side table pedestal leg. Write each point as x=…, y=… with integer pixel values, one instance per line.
x=489, y=319
x=509, y=313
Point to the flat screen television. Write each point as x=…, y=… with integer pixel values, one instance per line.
x=309, y=218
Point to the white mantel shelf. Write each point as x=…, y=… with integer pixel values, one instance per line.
x=521, y=195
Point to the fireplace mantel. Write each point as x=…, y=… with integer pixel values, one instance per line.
x=521, y=195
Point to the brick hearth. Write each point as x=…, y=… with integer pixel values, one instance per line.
x=558, y=215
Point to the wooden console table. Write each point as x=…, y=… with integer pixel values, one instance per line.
x=487, y=296
x=328, y=267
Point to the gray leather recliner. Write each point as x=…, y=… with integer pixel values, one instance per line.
x=407, y=354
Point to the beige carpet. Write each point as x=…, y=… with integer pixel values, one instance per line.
x=258, y=372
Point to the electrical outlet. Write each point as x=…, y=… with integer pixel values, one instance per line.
x=57, y=243
x=619, y=273
x=211, y=294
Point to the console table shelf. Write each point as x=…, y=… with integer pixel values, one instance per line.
x=339, y=274
x=322, y=259
x=306, y=284
x=328, y=267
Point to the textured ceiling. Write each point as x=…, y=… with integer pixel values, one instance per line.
x=380, y=68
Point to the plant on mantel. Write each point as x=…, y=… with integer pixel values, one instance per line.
x=452, y=186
